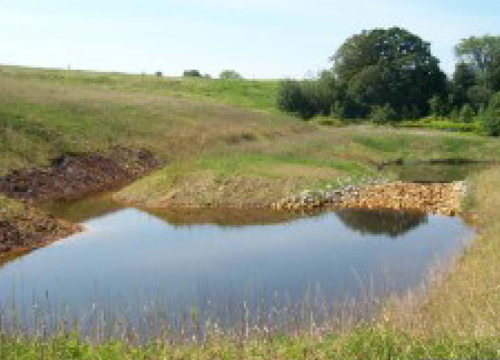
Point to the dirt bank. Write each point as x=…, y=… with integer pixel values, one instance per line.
x=23, y=228
x=72, y=176
x=436, y=198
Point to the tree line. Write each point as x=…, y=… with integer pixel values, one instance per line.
x=389, y=75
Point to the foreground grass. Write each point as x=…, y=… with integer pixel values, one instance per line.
x=363, y=344
x=468, y=301
x=459, y=318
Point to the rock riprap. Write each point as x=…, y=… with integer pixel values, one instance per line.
x=435, y=198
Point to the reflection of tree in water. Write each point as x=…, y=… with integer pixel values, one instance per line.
x=392, y=223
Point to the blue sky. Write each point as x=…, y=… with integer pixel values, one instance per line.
x=259, y=38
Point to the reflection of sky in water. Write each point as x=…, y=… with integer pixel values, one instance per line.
x=132, y=256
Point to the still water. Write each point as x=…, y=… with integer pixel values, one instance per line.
x=128, y=256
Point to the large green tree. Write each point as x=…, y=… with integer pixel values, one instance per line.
x=463, y=80
x=479, y=51
x=483, y=55
x=389, y=66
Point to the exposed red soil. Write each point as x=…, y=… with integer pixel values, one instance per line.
x=73, y=176
x=69, y=177
x=31, y=229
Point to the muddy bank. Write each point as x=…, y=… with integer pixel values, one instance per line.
x=23, y=228
x=76, y=175
x=437, y=198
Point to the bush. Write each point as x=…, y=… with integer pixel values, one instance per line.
x=383, y=114
x=467, y=114
x=192, y=73
x=230, y=75
x=294, y=97
x=437, y=106
x=490, y=118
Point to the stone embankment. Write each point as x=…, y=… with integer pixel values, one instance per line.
x=435, y=198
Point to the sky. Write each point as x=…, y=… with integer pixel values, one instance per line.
x=257, y=38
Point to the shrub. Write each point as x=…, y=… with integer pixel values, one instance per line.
x=295, y=98
x=230, y=75
x=490, y=118
x=467, y=114
x=437, y=106
x=455, y=114
x=192, y=73
x=383, y=114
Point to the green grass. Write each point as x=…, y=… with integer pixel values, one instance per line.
x=41, y=120
x=443, y=124
x=303, y=161
x=253, y=94
x=362, y=344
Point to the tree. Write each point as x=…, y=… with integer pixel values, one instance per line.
x=479, y=96
x=293, y=98
x=480, y=52
x=490, y=118
x=437, y=106
x=230, y=75
x=467, y=114
x=389, y=66
x=383, y=114
x=493, y=76
x=463, y=79
x=192, y=73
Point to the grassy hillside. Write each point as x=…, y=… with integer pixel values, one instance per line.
x=252, y=94
x=189, y=124
x=41, y=118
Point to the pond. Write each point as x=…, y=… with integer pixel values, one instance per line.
x=129, y=259
x=437, y=171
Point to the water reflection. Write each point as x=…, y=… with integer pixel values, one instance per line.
x=225, y=217
x=131, y=255
x=82, y=210
x=390, y=223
